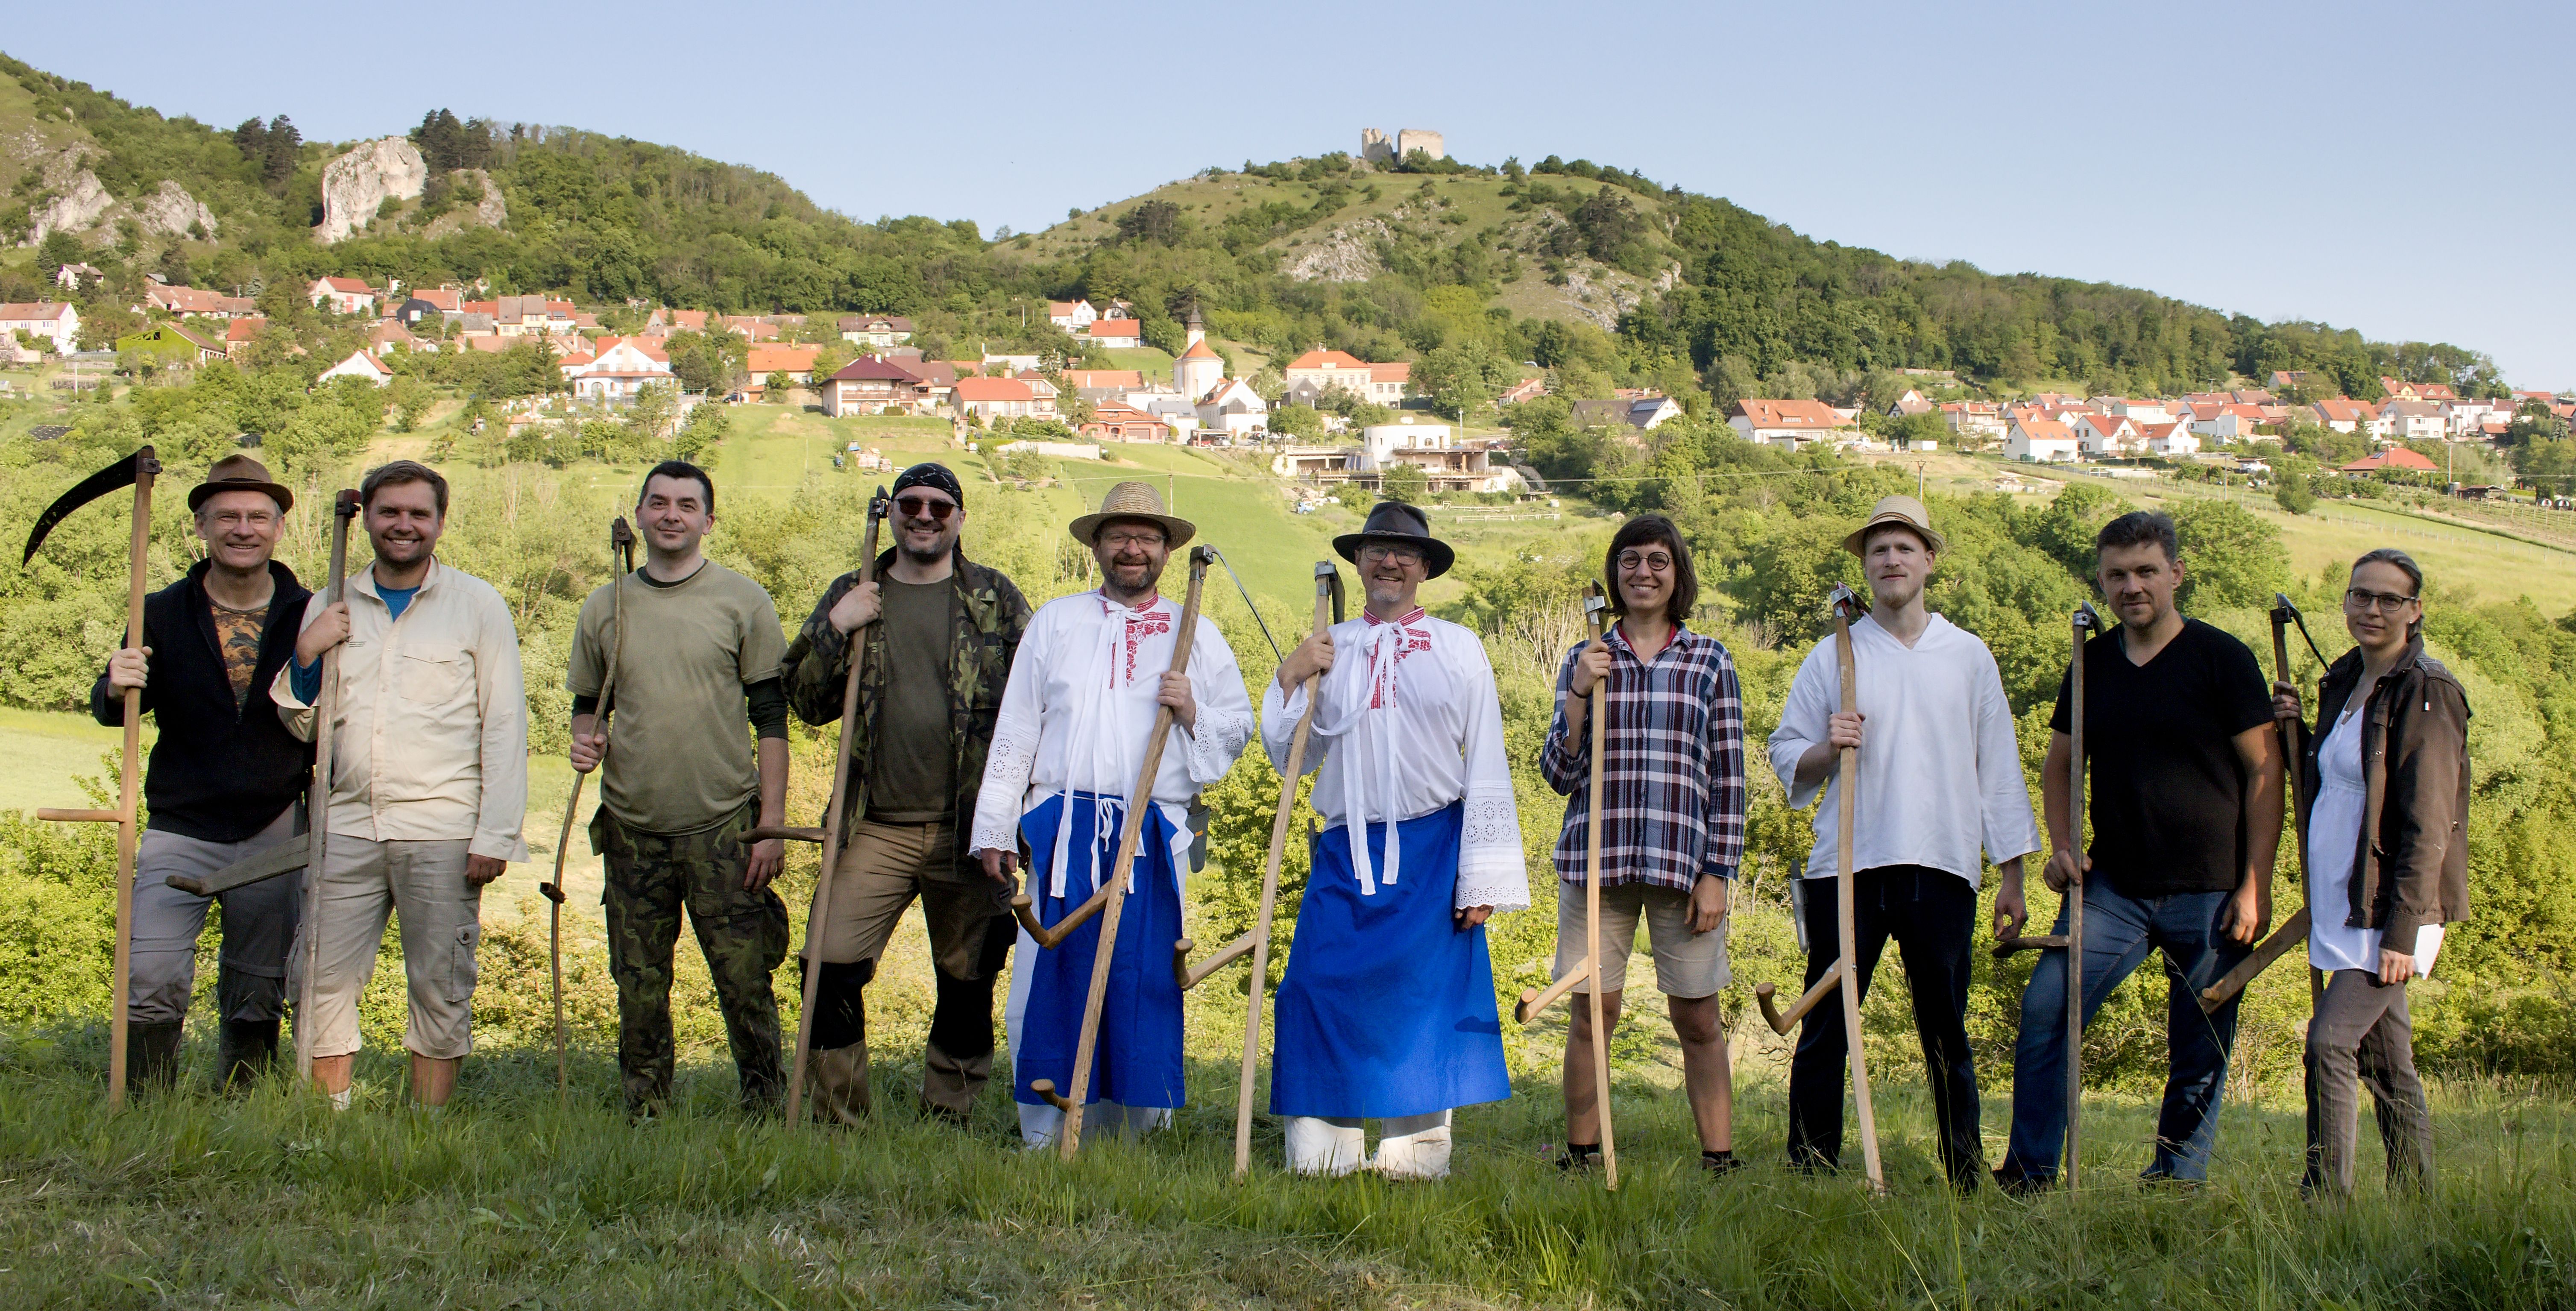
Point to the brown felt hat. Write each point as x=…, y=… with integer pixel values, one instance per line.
x=1135, y=500
x=1904, y=511
x=239, y=473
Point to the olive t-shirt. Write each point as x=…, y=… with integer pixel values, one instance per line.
x=680, y=756
x=2167, y=801
x=910, y=755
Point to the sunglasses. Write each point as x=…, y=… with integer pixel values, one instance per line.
x=922, y=507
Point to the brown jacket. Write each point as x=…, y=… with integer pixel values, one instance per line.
x=2413, y=863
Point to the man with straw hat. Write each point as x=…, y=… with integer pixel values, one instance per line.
x=1085, y=689
x=1940, y=778
x=1387, y=1010
x=224, y=778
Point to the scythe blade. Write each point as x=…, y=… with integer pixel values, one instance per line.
x=120, y=474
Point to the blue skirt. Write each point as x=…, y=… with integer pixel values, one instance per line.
x=1136, y=1061
x=1387, y=1008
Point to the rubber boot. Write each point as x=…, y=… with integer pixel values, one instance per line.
x=248, y=1050
x=152, y=1054
x=841, y=1084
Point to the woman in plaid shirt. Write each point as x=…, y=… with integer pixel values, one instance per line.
x=1672, y=823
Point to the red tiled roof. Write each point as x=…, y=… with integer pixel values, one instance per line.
x=1105, y=377
x=244, y=329
x=1790, y=414
x=1199, y=351
x=766, y=360
x=39, y=310
x=350, y=286
x=1327, y=360
x=1118, y=328
x=993, y=389
x=2395, y=457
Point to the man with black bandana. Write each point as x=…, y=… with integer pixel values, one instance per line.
x=700, y=664
x=942, y=633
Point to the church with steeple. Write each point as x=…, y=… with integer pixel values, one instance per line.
x=1224, y=404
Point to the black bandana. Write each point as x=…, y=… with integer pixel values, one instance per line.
x=930, y=473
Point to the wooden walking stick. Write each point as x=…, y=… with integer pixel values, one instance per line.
x=2294, y=930
x=326, y=712
x=136, y=470
x=621, y=554
x=1328, y=586
x=820, y=917
x=1847, y=795
x=2072, y=942
x=1113, y=893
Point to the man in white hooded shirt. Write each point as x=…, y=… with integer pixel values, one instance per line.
x=1091, y=674
x=1940, y=777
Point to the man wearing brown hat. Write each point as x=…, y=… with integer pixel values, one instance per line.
x=1091, y=675
x=224, y=779
x=1940, y=779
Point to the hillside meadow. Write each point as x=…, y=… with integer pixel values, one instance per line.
x=507, y=1197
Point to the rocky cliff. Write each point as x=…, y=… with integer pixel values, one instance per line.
x=356, y=184
x=76, y=207
x=172, y=212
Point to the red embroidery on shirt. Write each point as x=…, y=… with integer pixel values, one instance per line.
x=1382, y=693
x=1139, y=625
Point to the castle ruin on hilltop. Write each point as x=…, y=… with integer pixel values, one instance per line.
x=1375, y=148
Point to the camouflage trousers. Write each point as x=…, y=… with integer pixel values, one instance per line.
x=651, y=878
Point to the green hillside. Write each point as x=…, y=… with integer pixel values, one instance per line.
x=1598, y=273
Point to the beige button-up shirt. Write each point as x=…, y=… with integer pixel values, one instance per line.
x=432, y=731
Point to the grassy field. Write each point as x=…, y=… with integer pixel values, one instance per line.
x=505, y=1200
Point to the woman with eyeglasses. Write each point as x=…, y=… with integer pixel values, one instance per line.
x=2387, y=774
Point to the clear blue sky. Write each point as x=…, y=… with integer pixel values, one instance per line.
x=2405, y=170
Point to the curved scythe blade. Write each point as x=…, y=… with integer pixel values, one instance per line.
x=120, y=474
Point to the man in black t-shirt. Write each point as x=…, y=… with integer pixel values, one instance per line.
x=2186, y=810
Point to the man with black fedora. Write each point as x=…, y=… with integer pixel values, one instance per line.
x=1092, y=674
x=1387, y=1010
x=224, y=780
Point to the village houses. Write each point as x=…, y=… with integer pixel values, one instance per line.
x=55, y=321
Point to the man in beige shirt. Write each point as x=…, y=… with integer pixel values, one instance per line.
x=429, y=779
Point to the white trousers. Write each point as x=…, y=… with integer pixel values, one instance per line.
x=1408, y=1147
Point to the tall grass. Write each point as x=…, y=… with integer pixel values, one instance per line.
x=506, y=1200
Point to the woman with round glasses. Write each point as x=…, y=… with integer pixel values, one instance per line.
x=2387, y=774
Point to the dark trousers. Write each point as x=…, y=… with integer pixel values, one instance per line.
x=1931, y=914
x=2119, y=931
x=651, y=880
x=2362, y=1034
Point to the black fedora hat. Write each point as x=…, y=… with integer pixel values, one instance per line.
x=1398, y=524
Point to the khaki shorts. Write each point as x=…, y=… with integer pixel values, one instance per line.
x=1687, y=965
x=363, y=884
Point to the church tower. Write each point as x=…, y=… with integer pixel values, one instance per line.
x=1199, y=368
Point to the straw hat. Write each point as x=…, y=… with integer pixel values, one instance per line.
x=1134, y=500
x=1904, y=510
x=239, y=473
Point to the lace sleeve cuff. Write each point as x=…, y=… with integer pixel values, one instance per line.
x=1492, y=871
x=997, y=805
x=1215, y=743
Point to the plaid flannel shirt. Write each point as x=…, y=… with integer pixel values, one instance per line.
x=1672, y=788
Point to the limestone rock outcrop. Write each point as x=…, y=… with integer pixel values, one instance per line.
x=173, y=212
x=78, y=207
x=356, y=184
x=488, y=212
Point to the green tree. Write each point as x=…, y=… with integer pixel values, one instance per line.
x=411, y=396
x=1297, y=422
x=2231, y=558
x=1406, y=483
x=2293, y=494
x=56, y=250
x=1464, y=376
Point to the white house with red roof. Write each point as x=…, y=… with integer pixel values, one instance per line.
x=1982, y=419
x=1073, y=316
x=360, y=364
x=2413, y=421
x=2104, y=435
x=878, y=330
x=56, y=321
x=618, y=369
x=2343, y=414
x=872, y=384
x=1115, y=334
x=2224, y=421
x=342, y=295
x=997, y=398
x=766, y=362
x=2417, y=391
x=1232, y=406
x=1793, y=424
x=1112, y=421
x=2395, y=457
x=1312, y=374
x=205, y=304
x=2170, y=440
x=2041, y=440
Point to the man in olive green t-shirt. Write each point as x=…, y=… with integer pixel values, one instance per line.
x=697, y=681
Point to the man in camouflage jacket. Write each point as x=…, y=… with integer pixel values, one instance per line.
x=941, y=631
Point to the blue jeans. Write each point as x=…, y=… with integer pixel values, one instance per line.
x=2118, y=932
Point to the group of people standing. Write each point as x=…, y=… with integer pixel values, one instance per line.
x=993, y=742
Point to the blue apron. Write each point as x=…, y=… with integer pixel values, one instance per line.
x=1136, y=1060
x=1387, y=1008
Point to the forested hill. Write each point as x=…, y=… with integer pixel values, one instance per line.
x=1579, y=267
